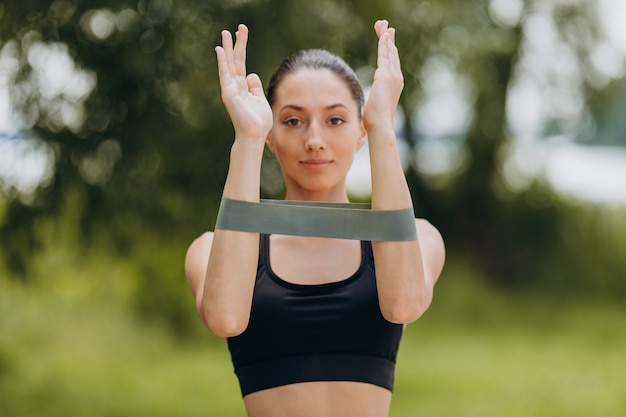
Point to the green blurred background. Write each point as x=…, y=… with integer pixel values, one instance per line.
x=114, y=148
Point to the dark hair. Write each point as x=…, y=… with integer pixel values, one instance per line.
x=316, y=59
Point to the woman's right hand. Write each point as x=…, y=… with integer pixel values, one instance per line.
x=242, y=95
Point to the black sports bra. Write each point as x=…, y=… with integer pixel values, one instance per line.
x=326, y=332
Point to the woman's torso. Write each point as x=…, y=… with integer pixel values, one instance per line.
x=320, y=399
x=306, y=263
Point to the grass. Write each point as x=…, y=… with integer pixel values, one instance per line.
x=67, y=358
x=481, y=353
x=73, y=349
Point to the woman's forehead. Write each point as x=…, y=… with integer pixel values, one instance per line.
x=311, y=84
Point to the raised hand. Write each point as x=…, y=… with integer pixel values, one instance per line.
x=242, y=94
x=379, y=110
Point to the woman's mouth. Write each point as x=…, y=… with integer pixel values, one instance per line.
x=316, y=163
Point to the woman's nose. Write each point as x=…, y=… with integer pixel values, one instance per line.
x=314, y=138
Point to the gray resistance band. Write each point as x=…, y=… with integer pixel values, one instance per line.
x=318, y=219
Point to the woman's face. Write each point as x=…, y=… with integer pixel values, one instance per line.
x=317, y=130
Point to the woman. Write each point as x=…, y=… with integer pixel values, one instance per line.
x=313, y=330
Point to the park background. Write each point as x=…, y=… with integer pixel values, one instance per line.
x=114, y=148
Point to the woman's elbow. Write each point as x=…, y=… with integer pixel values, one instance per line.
x=408, y=310
x=222, y=324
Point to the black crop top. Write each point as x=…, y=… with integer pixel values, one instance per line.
x=326, y=332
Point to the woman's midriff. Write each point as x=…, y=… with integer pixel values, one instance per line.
x=320, y=399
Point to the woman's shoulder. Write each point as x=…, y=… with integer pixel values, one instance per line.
x=198, y=255
x=432, y=247
x=428, y=234
x=426, y=228
x=201, y=243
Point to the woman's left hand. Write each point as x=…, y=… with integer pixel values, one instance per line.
x=380, y=107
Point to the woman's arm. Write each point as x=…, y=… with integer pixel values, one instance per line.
x=221, y=267
x=405, y=271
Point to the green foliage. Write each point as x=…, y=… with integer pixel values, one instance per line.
x=589, y=257
x=538, y=241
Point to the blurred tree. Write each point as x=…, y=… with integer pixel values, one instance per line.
x=103, y=137
x=96, y=82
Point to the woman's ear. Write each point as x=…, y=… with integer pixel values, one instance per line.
x=362, y=138
x=270, y=144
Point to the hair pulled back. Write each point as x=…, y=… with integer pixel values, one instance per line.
x=316, y=59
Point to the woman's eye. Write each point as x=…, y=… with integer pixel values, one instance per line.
x=336, y=121
x=292, y=122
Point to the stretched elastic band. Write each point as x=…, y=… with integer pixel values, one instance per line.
x=317, y=219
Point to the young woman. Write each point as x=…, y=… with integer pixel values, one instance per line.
x=313, y=329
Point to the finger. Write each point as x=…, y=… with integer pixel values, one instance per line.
x=380, y=27
x=254, y=85
x=222, y=66
x=383, y=52
x=227, y=45
x=393, y=54
x=240, y=50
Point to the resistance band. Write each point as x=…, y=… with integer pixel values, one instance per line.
x=317, y=219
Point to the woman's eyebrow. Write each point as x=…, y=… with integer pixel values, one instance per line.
x=300, y=108
x=334, y=106
x=292, y=107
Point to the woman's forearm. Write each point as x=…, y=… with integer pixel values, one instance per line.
x=231, y=270
x=389, y=187
x=404, y=291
